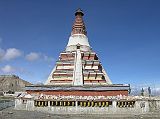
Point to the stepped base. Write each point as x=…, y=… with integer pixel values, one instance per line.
x=108, y=90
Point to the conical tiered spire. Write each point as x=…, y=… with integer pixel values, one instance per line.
x=79, y=26
x=78, y=65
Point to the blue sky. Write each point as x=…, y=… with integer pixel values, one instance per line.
x=124, y=33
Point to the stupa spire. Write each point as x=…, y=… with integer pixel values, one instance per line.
x=78, y=38
x=78, y=65
x=79, y=26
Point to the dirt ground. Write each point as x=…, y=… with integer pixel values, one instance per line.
x=10, y=113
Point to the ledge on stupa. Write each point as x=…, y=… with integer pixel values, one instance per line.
x=86, y=90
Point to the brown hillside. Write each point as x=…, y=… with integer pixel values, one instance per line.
x=12, y=83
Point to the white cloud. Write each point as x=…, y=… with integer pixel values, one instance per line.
x=9, y=54
x=155, y=91
x=8, y=69
x=32, y=56
x=47, y=58
x=12, y=53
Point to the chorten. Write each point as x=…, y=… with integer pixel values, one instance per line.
x=78, y=71
x=78, y=64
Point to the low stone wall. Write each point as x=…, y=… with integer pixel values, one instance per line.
x=117, y=106
x=154, y=105
x=5, y=104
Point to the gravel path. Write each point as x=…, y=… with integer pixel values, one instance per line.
x=10, y=113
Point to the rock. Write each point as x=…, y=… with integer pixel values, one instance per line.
x=10, y=112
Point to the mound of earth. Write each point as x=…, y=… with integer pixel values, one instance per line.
x=12, y=83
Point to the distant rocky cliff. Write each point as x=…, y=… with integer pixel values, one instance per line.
x=12, y=83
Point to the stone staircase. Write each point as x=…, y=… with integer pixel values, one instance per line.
x=78, y=77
